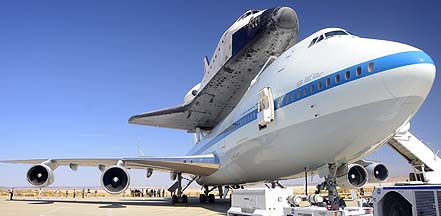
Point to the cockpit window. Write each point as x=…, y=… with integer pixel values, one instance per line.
x=245, y=15
x=335, y=33
x=320, y=38
x=248, y=13
x=327, y=35
x=313, y=41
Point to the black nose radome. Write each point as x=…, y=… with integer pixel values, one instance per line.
x=286, y=17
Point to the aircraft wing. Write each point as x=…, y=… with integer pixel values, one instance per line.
x=178, y=117
x=214, y=101
x=205, y=111
x=201, y=165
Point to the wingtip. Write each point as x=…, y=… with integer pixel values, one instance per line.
x=132, y=119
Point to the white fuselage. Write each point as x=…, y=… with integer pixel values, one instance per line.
x=338, y=123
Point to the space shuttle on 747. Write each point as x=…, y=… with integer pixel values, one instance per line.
x=269, y=108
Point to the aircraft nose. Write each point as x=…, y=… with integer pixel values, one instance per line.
x=285, y=17
x=412, y=75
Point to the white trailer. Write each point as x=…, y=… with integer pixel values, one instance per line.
x=259, y=201
x=274, y=202
x=402, y=200
x=407, y=200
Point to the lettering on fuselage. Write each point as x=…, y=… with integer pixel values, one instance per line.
x=308, y=79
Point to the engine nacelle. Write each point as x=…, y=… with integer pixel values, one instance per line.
x=353, y=176
x=377, y=172
x=173, y=175
x=115, y=180
x=192, y=93
x=149, y=172
x=40, y=175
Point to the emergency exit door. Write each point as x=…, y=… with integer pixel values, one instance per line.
x=265, y=108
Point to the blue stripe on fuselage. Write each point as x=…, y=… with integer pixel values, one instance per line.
x=380, y=64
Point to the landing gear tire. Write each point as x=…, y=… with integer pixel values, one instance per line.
x=211, y=198
x=184, y=199
x=202, y=198
x=175, y=199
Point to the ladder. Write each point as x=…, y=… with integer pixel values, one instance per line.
x=419, y=155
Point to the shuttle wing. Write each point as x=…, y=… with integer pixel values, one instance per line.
x=178, y=117
x=210, y=106
x=201, y=165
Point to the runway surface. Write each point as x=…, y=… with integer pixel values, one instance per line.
x=108, y=207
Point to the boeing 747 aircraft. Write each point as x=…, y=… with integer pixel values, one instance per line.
x=270, y=107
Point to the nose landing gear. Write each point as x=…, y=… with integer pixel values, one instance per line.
x=334, y=201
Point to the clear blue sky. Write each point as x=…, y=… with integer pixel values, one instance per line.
x=72, y=72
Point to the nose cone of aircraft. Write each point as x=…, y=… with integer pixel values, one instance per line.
x=412, y=72
x=286, y=17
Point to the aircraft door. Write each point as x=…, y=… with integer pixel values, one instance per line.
x=265, y=108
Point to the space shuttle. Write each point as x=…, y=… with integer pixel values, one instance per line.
x=240, y=54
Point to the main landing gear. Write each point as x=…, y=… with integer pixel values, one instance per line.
x=179, y=197
x=334, y=201
x=206, y=196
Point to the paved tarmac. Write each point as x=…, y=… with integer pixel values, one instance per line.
x=108, y=207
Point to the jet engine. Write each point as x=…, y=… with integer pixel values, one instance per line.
x=115, y=180
x=352, y=176
x=40, y=175
x=377, y=172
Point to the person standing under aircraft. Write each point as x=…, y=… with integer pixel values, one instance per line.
x=11, y=193
x=39, y=193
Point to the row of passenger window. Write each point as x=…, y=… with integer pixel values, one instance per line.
x=323, y=84
x=245, y=119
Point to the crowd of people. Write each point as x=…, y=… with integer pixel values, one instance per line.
x=158, y=192
x=153, y=192
x=83, y=193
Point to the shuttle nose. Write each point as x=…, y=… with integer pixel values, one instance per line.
x=285, y=17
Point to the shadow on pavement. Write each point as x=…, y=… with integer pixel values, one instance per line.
x=114, y=205
x=41, y=202
x=219, y=206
